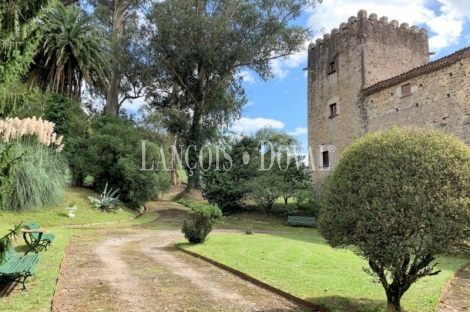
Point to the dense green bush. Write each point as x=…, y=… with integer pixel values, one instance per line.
x=70, y=121
x=284, y=210
x=114, y=155
x=228, y=186
x=60, y=110
x=271, y=171
x=401, y=197
x=202, y=218
x=265, y=189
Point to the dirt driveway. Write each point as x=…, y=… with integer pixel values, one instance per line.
x=138, y=269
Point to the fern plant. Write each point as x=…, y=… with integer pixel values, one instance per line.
x=108, y=202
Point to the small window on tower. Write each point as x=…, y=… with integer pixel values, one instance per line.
x=326, y=159
x=332, y=67
x=333, y=110
x=406, y=89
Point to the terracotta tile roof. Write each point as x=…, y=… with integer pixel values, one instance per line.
x=418, y=71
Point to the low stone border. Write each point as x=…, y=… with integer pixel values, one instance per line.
x=102, y=223
x=449, y=282
x=259, y=283
x=53, y=309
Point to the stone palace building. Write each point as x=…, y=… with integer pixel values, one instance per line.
x=370, y=74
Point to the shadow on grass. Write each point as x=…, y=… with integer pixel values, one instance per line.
x=6, y=288
x=62, y=214
x=340, y=304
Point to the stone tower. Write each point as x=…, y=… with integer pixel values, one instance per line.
x=362, y=52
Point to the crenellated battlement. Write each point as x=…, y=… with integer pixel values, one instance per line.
x=374, y=21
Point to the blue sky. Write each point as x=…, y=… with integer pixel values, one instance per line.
x=282, y=101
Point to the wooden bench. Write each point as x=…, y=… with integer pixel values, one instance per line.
x=36, y=237
x=295, y=220
x=18, y=268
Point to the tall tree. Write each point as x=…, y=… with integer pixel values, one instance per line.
x=73, y=49
x=203, y=44
x=129, y=70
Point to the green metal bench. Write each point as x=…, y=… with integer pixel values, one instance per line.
x=18, y=268
x=36, y=237
x=295, y=220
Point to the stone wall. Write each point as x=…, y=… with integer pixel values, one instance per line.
x=439, y=99
x=361, y=52
x=341, y=86
x=391, y=49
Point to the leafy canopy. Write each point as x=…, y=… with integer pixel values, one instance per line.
x=200, y=47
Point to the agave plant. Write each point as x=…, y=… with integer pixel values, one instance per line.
x=108, y=201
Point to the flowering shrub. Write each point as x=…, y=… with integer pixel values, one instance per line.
x=40, y=177
x=14, y=128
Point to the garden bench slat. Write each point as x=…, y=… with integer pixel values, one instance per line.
x=297, y=220
x=37, y=239
x=18, y=268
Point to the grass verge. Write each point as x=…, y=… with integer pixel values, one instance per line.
x=307, y=267
x=42, y=285
x=57, y=215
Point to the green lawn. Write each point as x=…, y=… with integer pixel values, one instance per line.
x=41, y=286
x=307, y=267
x=57, y=215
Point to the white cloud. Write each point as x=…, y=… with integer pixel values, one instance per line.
x=299, y=131
x=277, y=68
x=246, y=76
x=280, y=66
x=448, y=30
x=446, y=25
x=250, y=125
x=459, y=7
x=135, y=105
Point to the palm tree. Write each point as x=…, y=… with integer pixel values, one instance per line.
x=73, y=50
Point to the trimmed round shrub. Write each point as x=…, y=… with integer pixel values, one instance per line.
x=202, y=218
x=401, y=197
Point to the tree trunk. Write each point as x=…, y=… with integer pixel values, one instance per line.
x=285, y=200
x=393, y=301
x=112, y=93
x=193, y=146
x=173, y=173
x=174, y=176
x=195, y=140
